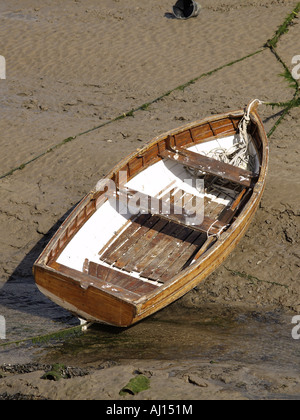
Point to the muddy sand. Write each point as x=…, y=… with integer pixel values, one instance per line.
x=72, y=68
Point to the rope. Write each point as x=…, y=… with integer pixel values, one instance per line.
x=239, y=154
x=243, y=125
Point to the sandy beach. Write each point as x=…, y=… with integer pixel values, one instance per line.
x=72, y=68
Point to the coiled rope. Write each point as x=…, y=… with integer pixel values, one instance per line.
x=239, y=154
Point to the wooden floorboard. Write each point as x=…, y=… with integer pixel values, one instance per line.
x=137, y=245
x=185, y=247
x=114, y=253
x=166, y=238
x=131, y=229
x=160, y=256
x=180, y=263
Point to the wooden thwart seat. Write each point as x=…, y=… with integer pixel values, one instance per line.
x=118, y=278
x=168, y=211
x=210, y=166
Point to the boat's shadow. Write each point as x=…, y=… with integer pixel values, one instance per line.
x=20, y=293
x=273, y=116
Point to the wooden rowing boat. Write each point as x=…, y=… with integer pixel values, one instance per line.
x=140, y=239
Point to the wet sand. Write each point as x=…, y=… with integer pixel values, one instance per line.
x=72, y=68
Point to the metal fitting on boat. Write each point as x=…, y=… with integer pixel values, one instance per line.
x=185, y=9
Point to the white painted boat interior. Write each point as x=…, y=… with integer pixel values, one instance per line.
x=107, y=221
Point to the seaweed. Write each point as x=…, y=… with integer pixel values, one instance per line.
x=135, y=385
x=284, y=27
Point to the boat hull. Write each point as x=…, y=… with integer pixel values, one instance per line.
x=89, y=303
x=100, y=300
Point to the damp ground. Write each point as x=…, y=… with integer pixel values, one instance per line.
x=219, y=352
